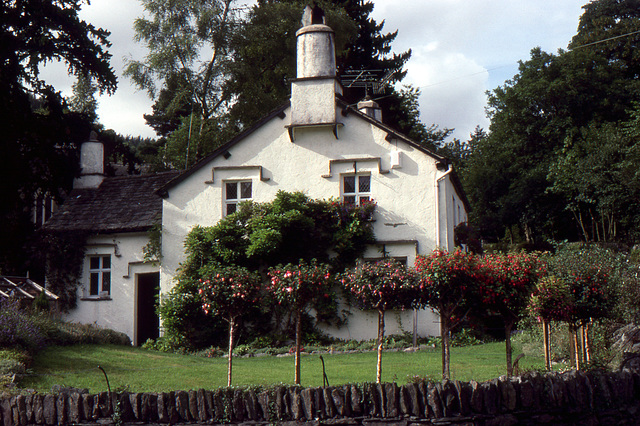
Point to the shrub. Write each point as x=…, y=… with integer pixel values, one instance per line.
x=465, y=337
x=65, y=333
x=17, y=327
x=16, y=354
x=11, y=366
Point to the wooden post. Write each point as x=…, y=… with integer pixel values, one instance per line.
x=444, y=334
x=547, y=350
x=585, y=342
x=576, y=346
x=232, y=324
x=508, y=325
x=380, y=343
x=298, y=342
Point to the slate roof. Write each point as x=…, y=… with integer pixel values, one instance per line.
x=119, y=204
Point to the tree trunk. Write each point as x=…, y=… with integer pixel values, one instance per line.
x=298, y=338
x=586, y=344
x=576, y=346
x=380, y=343
x=444, y=335
x=547, y=350
x=580, y=221
x=232, y=327
x=508, y=325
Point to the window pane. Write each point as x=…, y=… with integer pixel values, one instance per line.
x=93, y=284
x=232, y=191
x=106, y=282
x=350, y=199
x=245, y=190
x=231, y=208
x=364, y=200
x=94, y=263
x=364, y=183
x=106, y=262
x=349, y=184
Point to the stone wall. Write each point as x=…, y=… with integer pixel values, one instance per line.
x=556, y=399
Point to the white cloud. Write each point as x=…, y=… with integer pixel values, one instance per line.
x=461, y=49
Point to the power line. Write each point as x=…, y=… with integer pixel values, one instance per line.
x=605, y=40
x=509, y=65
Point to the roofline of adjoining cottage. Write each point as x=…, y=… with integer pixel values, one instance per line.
x=278, y=112
x=442, y=162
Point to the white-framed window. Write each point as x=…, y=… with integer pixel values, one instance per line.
x=356, y=189
x=236, y=192
x=100, y=275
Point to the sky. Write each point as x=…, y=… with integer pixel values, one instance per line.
x=460, y=50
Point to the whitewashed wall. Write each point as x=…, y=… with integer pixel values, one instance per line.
x=117, y=312
x=453, y=212
x=406, y=196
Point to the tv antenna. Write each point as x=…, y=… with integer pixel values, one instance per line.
x=373, y=81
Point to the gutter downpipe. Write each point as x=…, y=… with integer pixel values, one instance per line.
x=438, y=239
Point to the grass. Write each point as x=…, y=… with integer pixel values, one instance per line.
x=140, y=370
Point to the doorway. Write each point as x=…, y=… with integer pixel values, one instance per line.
x=147, y=321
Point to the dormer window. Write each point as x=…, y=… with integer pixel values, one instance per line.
x=356, y=189
x=236, y=192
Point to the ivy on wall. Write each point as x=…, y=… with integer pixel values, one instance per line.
x=63, y=254
x=258, y=236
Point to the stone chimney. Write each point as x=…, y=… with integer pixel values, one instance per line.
x=314, y=89
x=91, y=163
x=371, y=108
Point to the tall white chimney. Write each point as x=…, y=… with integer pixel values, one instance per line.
x=314, y=89
x=91, y=163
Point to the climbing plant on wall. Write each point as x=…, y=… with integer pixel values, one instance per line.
x=259, y=236
x=63, y=253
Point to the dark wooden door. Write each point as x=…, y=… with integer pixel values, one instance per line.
x=147, y=321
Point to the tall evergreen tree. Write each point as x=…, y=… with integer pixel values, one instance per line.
x=83, y=100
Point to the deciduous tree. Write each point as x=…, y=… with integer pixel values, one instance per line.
x=229, y=292
x=505, y=285
x=381, y=286
x=37, y=143
x=447, y=283
x=560, y=108
x=259, y=236
x=297, y=286
x=189, y=40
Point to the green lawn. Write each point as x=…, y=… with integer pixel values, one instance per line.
x=140, y=370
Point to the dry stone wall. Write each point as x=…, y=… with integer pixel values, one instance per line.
x=572, y=398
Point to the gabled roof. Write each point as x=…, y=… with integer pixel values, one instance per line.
x=119, y=204
x=279, y=112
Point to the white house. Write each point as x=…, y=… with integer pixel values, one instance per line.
x=118, y=287
x=324, y=148
x=315, y=144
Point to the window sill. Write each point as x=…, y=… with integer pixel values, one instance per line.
x=95, y=298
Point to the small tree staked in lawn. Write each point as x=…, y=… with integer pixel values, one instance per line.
x=550, y=301
x=383, y=285
x=229, y=292
x=505, y=284
x=298, y=286
x=583, y=275
x=447, y=284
